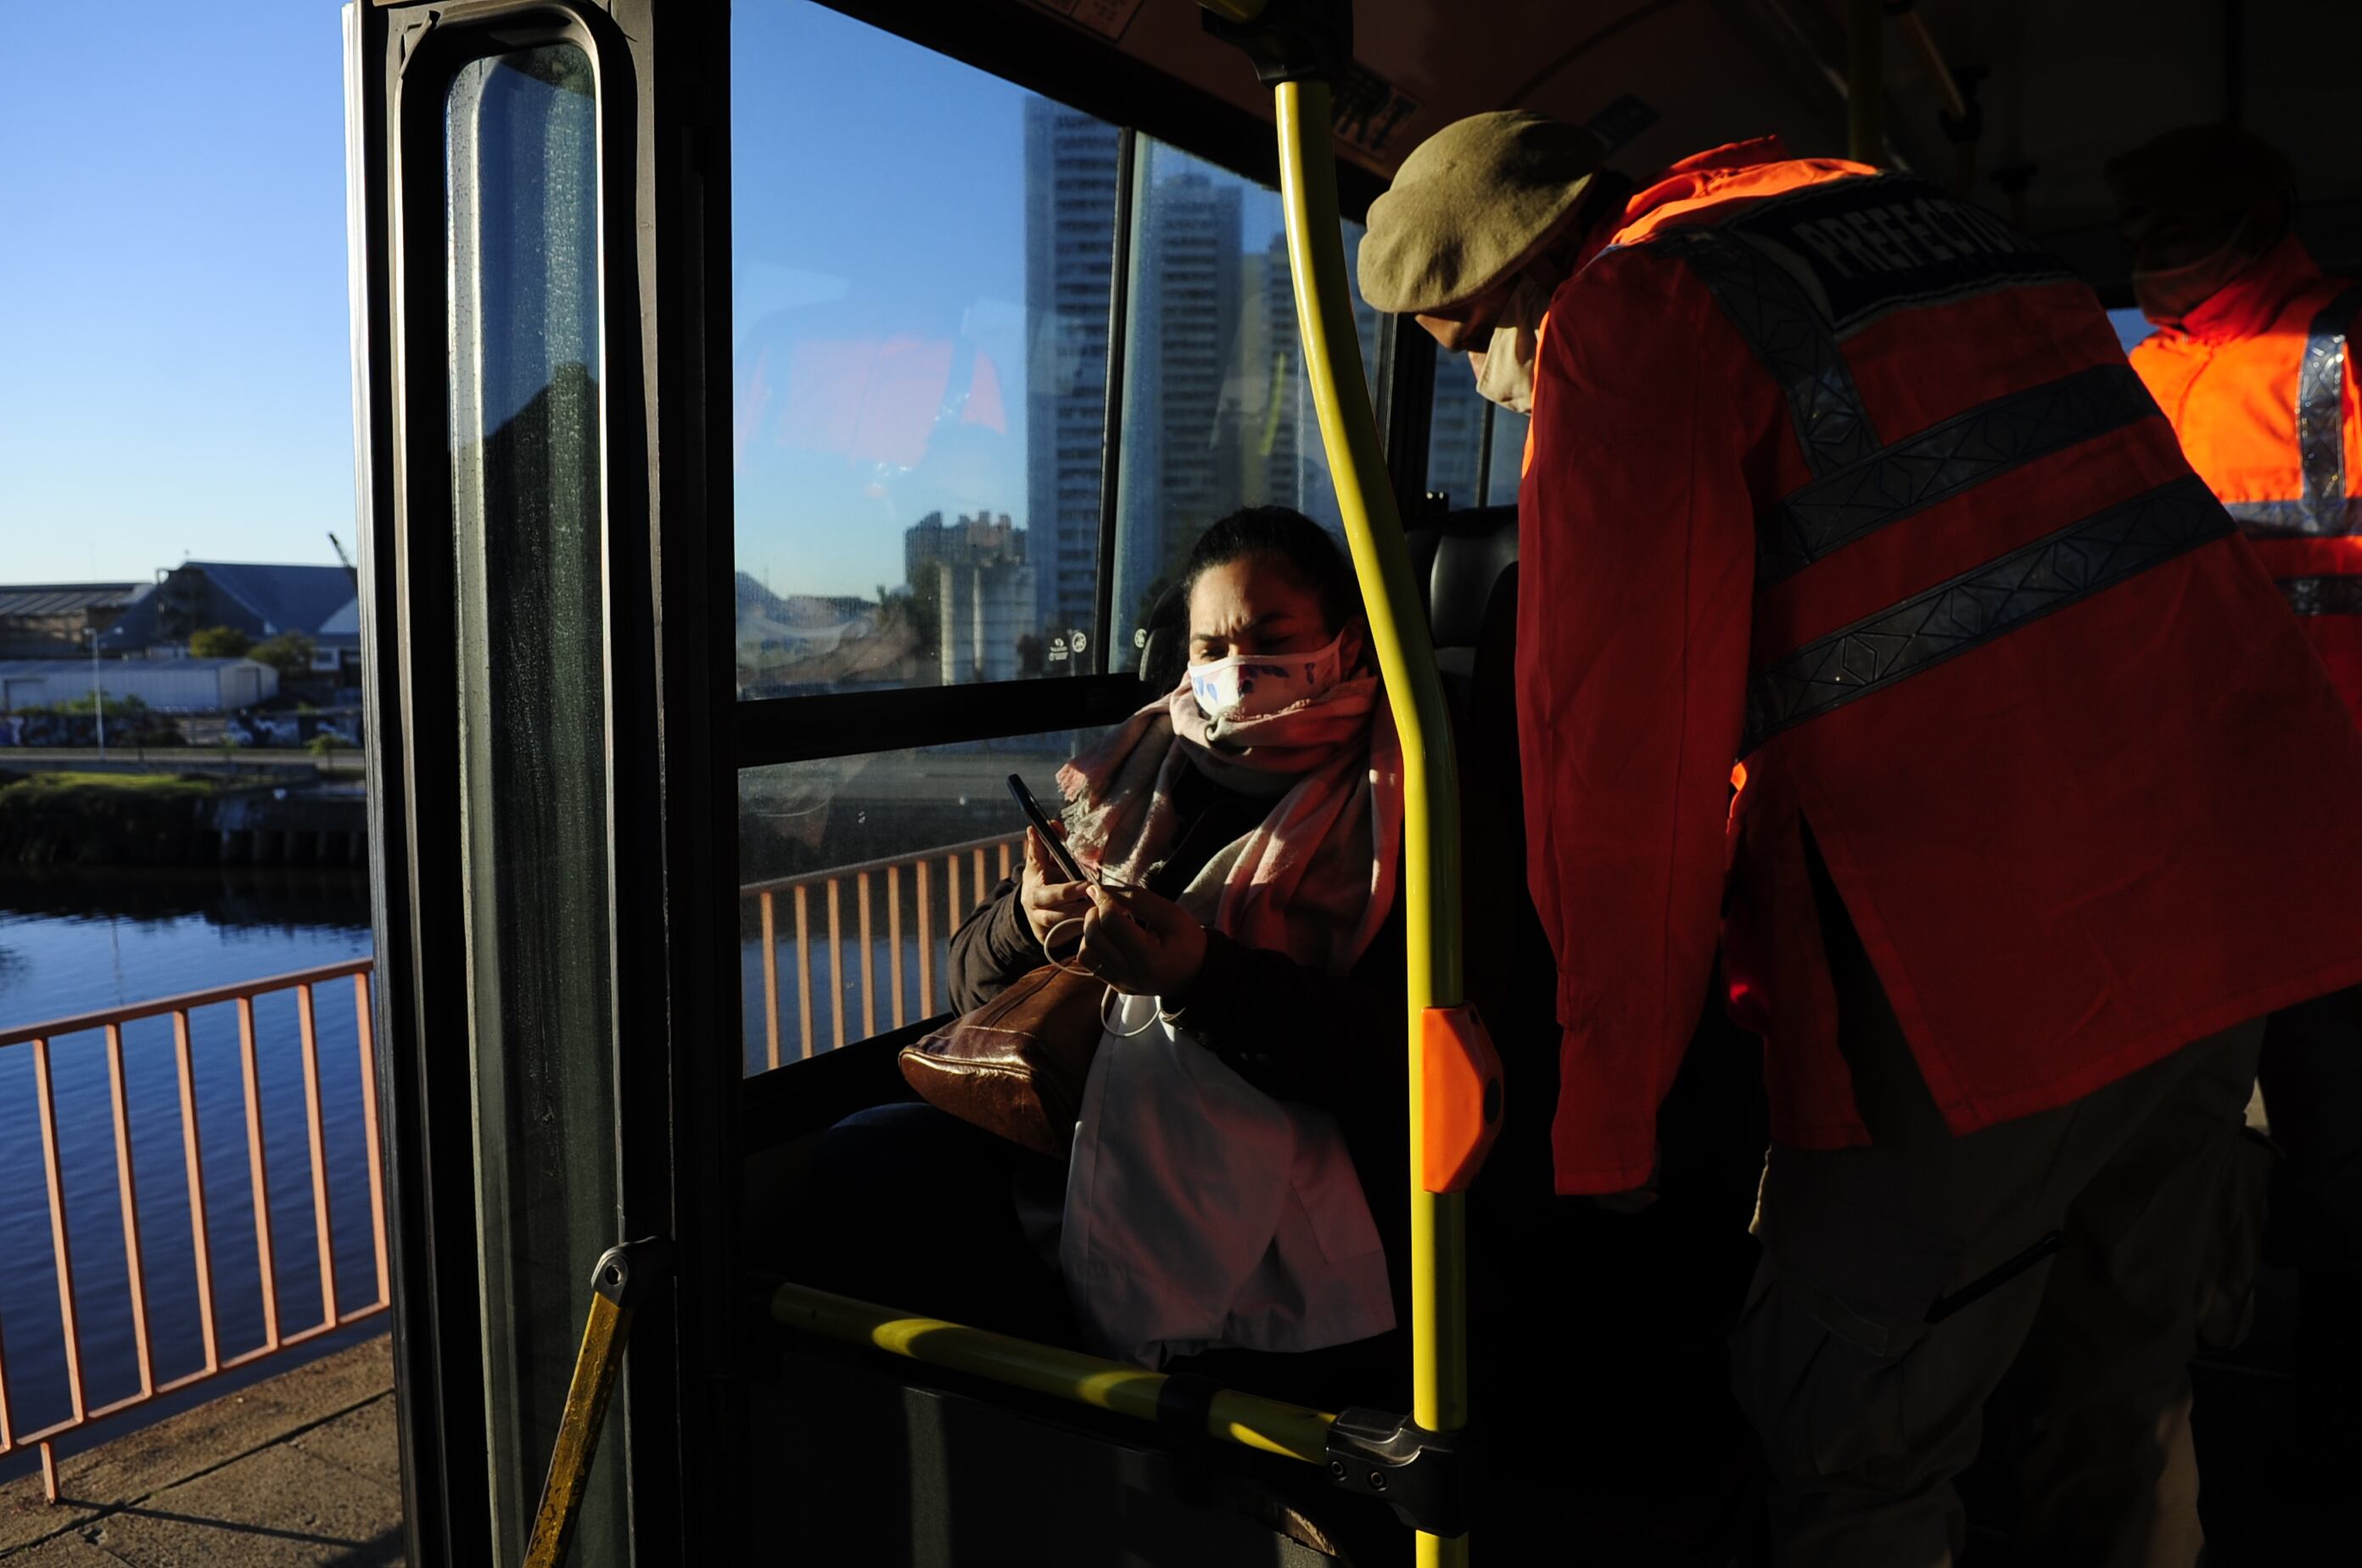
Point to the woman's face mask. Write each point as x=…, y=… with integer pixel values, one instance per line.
x=1505, y=370
x=1249, y=686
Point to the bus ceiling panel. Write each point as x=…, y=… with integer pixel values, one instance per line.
x=1699, y=65
x=1421, y=64
x=2060, y=89
x=1186, y=89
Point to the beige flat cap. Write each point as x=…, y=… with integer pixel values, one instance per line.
x=1473, y=203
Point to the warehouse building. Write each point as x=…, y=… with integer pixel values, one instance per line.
x=55, y=620
x=263, y=602
x=166, y=685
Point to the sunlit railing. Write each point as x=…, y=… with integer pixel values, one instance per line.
x=275, y=1338
x=913, y=902
x=934, y=912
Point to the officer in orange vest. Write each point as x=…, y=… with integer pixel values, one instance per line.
x=2250, y=363
x=1836, y=478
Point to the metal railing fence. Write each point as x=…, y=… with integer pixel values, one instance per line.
x=942, y=885
x=108, y=1024
x=870, y=887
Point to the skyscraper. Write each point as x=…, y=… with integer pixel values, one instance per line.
x=1182, y=451
x=1288, y=464
x=975, y=573
x=1071, y=176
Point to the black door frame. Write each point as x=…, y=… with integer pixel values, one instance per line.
x=663, y=117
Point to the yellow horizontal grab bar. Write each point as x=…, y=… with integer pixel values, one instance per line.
x=1271, y=1426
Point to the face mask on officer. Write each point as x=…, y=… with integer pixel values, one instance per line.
x=1505, y=369
x=2169, y=282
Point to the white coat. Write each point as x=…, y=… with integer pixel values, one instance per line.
x=1202, y=1212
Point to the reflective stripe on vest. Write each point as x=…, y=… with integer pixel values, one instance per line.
x=2320, y=410
x=2322, y=595
x=2296, y=519
x=1948, y=458
x=1793, y=341
x=1867, y=248
x=1984, y=602
x=2326, y=510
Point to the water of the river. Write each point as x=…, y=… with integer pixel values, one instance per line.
x=72, y=944
x=75, y=943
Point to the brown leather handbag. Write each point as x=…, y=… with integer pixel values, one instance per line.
x=1016, y=1065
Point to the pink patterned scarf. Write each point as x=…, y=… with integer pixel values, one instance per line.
x=1316, y=878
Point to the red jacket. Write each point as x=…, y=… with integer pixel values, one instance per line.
x=1832, y=474
x=2260, y=388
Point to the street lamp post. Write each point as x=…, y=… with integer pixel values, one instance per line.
x=97, y=694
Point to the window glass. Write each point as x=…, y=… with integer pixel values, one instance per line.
x=855, y=870
x=1456, y=433
x=1475, y=451
x=1509, y=457
x=1217, y=408
x=2132, y=327
x=921, y=256
x=523, y=237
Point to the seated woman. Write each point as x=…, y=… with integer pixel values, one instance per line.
x=1243, y=832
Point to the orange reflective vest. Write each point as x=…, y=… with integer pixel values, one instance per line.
x=2260, y=388
x=1840, y=476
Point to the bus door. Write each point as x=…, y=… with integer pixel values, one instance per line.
x=533, y=189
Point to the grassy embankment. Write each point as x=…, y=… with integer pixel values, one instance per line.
x=101, y=819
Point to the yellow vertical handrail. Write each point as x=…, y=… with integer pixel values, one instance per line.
x=1398, y=631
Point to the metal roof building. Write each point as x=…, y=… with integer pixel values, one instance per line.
x=49, y=620
x=260, y=601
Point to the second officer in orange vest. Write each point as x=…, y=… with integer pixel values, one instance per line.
x=2252, y=363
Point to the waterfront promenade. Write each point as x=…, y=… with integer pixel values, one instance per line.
x=300, y=1469
x=194, y=760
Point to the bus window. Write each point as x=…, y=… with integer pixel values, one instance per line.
x=924, y=275
x=854, y=873
x=1508, y=458
x=1217, y=408
x=1475, y=451
x=2132, y=327
x=921, y=256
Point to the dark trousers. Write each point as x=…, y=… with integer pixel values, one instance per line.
x=914, y=1208
x=2312, y=1076
x=1869, y=1412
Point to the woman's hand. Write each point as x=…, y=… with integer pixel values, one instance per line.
x=1047, y=898
x=1142, y=945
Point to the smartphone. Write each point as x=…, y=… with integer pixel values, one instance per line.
x=1041, y=818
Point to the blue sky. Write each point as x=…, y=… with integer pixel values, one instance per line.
x=173, y=360
x=174, y=381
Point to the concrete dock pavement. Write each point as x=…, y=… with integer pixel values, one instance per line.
x=301, y=1469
